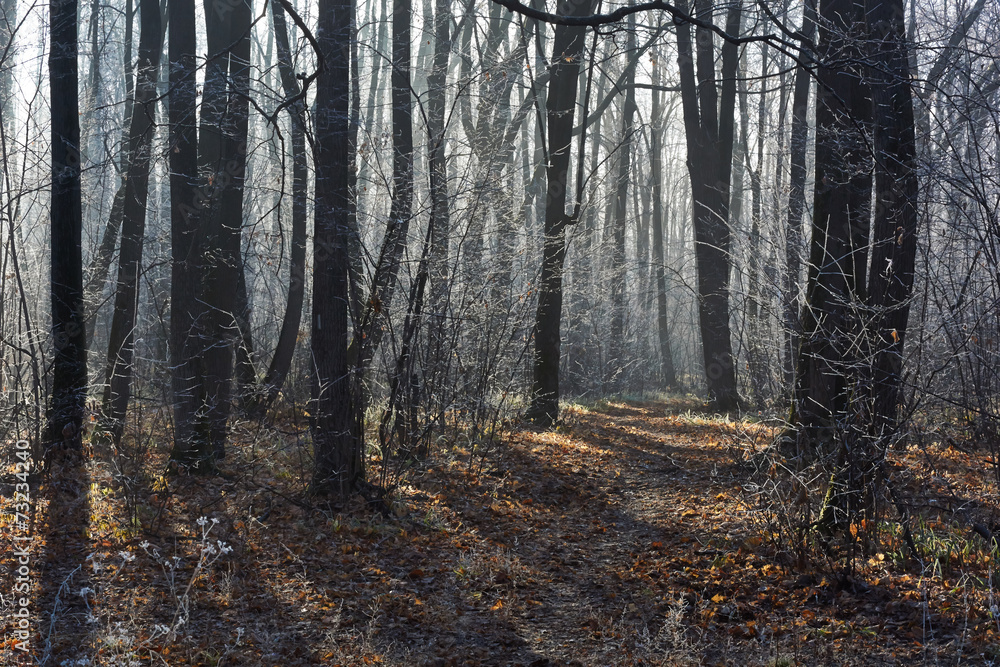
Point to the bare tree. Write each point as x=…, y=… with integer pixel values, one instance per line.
x=618, y=271
x=796, y=194
x=567, y=49
x=838, y=251
x=368, y=333
x=183, y=158
x=69, y=370
x=659, y=256
x=857, y=311
x=337, y=447
x=709, y=127
x=207, y=174
x=281, y=361
x=121, y=345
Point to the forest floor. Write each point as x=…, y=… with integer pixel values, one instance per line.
x=632, y=534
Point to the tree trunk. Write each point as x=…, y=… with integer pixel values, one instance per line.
x=207, y=239
x=222, y=147
x=121, y=344
x=797, y=197
x=337, y=447
x=838, y=249
x=440, y=222
x=355, y=254
x=708, y=123
x=100, y=265
x=756, y=355
x=281, y=361
x=69, y=364
x=567, y=50
x=186, y=387
x=618, y=289
x=376, y=311
x=890, y=283
x=871, y=368
x=667, y=371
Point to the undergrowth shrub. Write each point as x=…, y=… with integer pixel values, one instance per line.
x=120, y=640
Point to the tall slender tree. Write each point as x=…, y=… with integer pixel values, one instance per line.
x=567, y=51
x=121, y=344
x=440, y=218
x=618, y=270
x=183, y=162
x=69, y=368
x=281, y=361
x=96, y=275
x=222, y=154
x=368, y=333
x=709, y=119
x=207, y=175
x=894, y=248
x=796, y=193
x=669, y=375
x=338, y=463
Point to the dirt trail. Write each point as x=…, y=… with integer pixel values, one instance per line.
x=621, y=537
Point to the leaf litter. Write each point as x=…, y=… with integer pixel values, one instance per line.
x=622, y=537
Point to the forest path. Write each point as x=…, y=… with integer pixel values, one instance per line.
x=620, y=537
x=622, y=499
x=585, y=538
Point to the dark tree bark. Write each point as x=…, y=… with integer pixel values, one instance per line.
x=281, y=361
x=618, y=290
x=69, y=366
x=855, y=322
x=797, y=197
x=894, y=250
x=440, y=222
x=368, y=335
x=222, y=160
x=183, y=162
x=838, y=250
x=207, y=221
x=709, y=127
x=567, y=50
x=337, y=448
x=669, y=375
x=121, y=344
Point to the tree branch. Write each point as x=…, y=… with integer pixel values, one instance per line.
x=679, y=16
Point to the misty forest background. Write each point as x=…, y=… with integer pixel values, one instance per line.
x=374, y=228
